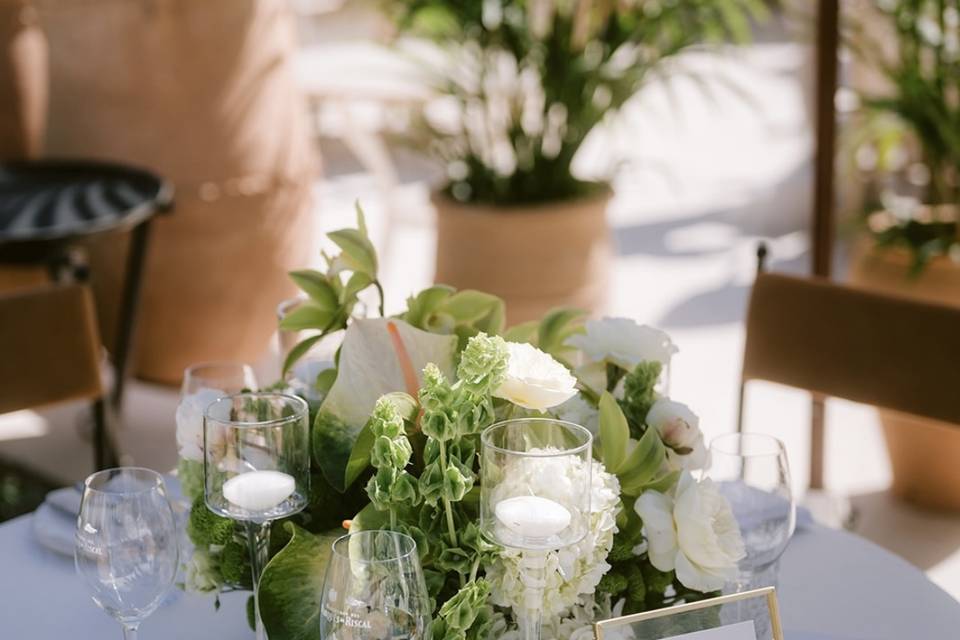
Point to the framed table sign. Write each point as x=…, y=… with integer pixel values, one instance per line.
x=751, y=615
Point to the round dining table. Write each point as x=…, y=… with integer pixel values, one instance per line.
x=833, y=585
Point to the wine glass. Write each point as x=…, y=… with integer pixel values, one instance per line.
x=256, y=467
x=126, y=543
x=752, y=472
x=374, y=589
x=535, y=496
x=202, y=384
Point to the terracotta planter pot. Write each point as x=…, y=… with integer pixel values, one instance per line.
x=924, y=454
x=23, y=81
x=204, y=94
x=535, y=258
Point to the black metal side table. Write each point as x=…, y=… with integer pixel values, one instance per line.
x=48, y=207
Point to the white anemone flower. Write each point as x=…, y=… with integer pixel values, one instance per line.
x=534, y=380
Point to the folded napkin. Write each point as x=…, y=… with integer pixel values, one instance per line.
x=55, y=521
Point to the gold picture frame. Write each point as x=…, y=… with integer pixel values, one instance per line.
x=613, y=628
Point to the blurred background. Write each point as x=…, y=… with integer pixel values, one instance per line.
x=628, y=161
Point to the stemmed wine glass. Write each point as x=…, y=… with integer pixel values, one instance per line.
x=527, y=498
x=256, y=467
x=126, y=543
x=752, y=472
x=202, y=384
x=374, y=589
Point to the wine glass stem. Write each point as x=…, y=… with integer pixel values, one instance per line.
x=533, y=574
x=258, y=537
x=129, y=632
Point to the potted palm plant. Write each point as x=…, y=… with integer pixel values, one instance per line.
x=522, y=83
x=910, y=136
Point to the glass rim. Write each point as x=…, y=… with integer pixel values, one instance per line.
x=302, y=406
x=156, y=476
x=409, y=542
x=716, y=445
x=485, y=438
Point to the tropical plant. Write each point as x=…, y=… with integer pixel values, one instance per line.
x=914, y=115
x=525, y=81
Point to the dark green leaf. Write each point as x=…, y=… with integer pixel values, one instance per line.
x=316, y=285
x=298, y=351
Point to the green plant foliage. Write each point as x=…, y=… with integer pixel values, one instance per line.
x=639, y=394
x=919, y=107
x=292, y=583
x=330, y=299
x=579, y=63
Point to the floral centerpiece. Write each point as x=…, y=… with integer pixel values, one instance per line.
x=395, y=445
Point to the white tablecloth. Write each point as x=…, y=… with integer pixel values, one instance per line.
x=833, y=586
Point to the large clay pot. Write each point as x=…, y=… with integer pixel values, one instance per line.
x=203, y=93
x=535, y=257
x=23, y=81
x=924, y=454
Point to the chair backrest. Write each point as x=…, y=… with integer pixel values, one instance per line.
x=49, y=346
x=887, y=351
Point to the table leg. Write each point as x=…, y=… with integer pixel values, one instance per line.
x=129, y=306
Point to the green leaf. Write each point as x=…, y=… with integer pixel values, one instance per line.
x=359, y=458
x=357, y=283
x=369, y=367
x=663, y=483
x=421, y=307
x=316, y=285
x=643, y=463
x=614, y=433
x=361, y=219
x=325, y=380
x=307, y=316
x=523, y=332
x=369, y=519
x=298, y=352
x=470, y=306
x=358, y=252
x=558, y=325
x=292, y=584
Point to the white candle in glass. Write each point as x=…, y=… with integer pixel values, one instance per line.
x=532, y=516
x=258, y=490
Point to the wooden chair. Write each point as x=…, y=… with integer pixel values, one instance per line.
x=50, y=353
x=833, y=340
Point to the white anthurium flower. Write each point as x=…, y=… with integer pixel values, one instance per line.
x=190, y=422
x=623, y=342
x=534, y=380
x=692, y=532
x=679, y=428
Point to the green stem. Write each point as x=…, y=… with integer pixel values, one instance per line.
x=447, y=507
x=473, y=570
x=379, y=287
x=393, y=519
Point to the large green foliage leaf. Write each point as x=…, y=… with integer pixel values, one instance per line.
x=292, y=583
x=644, y=465
x=614, y=434
x=369, y=367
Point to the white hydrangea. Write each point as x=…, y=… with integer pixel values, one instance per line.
x=574, y=571
x=577, y=625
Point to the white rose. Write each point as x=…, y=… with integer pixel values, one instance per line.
x=693, y=532
x=679, y=428
x=623, y=342
x=534, y=379
x=190, y=422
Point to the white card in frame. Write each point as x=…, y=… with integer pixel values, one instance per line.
x=751, y=615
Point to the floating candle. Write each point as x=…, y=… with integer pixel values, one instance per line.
x=532, y=516
x=258, y=490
